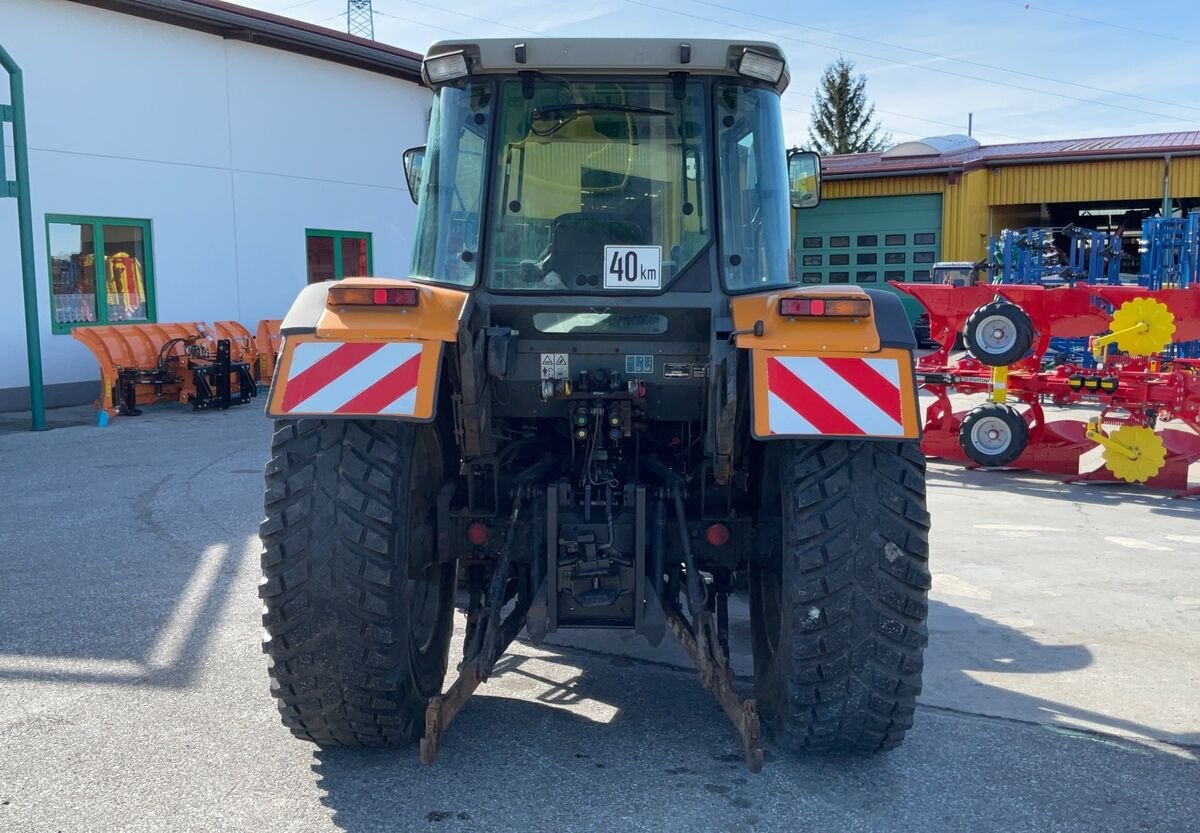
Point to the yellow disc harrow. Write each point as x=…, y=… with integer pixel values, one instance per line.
x=1134, y=453
x=1142, y=327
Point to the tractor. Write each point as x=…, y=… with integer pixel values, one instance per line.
x=600, y=399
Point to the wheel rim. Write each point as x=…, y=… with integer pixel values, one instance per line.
x=996, y=334
x=427, y=593
x=991, y=435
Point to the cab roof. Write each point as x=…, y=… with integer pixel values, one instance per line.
x=608, y=56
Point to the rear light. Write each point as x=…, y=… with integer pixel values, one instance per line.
x=717, y=535
x=366, y=296
x=477, y=533
x=825, y=307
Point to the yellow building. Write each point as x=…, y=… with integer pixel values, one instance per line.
x=890, y=215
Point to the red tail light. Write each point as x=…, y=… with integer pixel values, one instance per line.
x=365, y=296
x=717, y=535
x=825, y=307
x=477, y=533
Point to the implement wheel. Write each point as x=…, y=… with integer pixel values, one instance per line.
x=998, y=333
x=358, y=612
x=993, y=434
x=838, y=616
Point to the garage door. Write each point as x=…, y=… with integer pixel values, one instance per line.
x=869, y=240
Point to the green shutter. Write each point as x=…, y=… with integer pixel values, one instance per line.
x=868, y=241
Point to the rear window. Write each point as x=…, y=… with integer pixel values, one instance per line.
x=602, y=323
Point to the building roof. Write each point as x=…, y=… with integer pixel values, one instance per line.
x=228, y=20
x=925, y=158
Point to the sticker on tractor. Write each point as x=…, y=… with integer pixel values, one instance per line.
x=677, y=370
x=639, y=364
x=633, y=267
x=555, y=366
x=352, y=378
x=828, y=396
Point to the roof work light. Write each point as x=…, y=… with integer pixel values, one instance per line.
x=439, y=68
x=760, y=66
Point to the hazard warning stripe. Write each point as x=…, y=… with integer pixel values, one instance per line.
x=320, y=366
x=353, y=378
x=834, y=396
x=387, y=390
x=863, y=376
x=806, y=402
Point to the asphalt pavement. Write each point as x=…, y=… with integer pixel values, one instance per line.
x=1060, y=689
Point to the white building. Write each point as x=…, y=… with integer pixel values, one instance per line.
x=201, y=161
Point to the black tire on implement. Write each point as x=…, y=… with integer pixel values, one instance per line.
x=998, y=333
x=993, y=434
x=838, y=617
x=358, y=614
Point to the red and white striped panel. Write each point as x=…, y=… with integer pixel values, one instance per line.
x=834, y=396
x=352, y=378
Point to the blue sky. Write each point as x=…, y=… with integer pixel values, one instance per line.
x=1028, y=71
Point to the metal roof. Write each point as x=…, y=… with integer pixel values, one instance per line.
x=234, y=22
x=1060, y=150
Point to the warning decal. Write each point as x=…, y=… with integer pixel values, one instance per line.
x=555, y=366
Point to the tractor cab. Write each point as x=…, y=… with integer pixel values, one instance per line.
x=593, y=167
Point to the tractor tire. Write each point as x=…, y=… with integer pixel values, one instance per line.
x=357, y=611
x=998, y=333
x=993, y=434
x=838, y=615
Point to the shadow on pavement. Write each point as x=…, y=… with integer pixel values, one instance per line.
x=981, y=644
x=123, y=553
x=653, y=752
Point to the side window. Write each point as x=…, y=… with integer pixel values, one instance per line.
x=333, y=255
x=101, y=271
x=755, y=209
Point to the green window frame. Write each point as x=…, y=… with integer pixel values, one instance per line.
x=337, y=236
x=98, y=225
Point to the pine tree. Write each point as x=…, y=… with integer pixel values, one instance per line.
x=843, y=121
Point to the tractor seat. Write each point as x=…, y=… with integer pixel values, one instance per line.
x=577, y=244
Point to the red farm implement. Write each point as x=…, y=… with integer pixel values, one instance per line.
x=1147, y=398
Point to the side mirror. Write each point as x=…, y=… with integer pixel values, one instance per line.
x=804, y=178
x=414, y=161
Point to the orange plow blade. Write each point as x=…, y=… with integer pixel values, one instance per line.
x=148, y=364
x=242, y=347
x=123, y=350
x=268, y=341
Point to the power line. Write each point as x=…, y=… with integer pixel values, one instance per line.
x=1144, y=32
x=474, y=17
x=422, y=23
x=929, y=54
x=294, y=6
x=889, y=130
x=775, y=35
x=789, y=92
x=918, y=118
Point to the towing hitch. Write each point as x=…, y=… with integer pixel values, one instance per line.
x=704, y=643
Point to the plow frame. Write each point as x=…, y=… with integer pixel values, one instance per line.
x=1128, y=390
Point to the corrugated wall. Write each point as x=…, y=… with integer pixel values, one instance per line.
x=1126, y=179
x=882, y=186
x=966, y=204
x=1185, y=177
x=965, y=218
